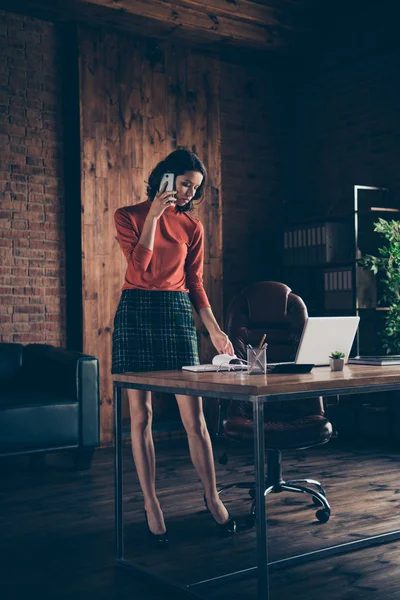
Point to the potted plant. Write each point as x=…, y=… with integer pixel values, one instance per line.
x=388, y=265
x=336, y=360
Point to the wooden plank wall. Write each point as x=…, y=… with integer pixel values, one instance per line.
x=138, y=102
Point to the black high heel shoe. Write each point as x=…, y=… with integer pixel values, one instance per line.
x=158, y=539
x=227, y=528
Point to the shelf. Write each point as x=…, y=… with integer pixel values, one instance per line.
x=340, y=312
x=377, y=308
x=331, y=265
x=373, y=209
x=316, y=270
x=343, y=216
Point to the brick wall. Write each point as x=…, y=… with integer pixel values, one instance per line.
x=32, y=259
x=253, y=138
x=32, y=263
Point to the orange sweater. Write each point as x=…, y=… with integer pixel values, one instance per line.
x=175, y=264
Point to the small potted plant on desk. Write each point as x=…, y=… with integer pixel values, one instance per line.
x=336, y=360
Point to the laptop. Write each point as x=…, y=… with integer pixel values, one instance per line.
x=321, y=336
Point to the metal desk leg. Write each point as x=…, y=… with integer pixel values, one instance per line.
x=261, y=524
x=118, y=487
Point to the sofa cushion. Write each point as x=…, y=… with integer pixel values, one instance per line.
x=42, y=425
x=22, y=399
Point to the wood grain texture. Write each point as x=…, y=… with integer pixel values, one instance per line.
x=254, y=25
x=320, y=380
x=139, y=101
x=270, y=25
x=60, y=525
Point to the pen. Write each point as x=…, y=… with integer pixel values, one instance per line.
x=262, y=340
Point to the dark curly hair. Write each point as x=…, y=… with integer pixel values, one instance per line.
x=178, y=163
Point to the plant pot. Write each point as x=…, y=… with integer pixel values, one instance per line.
x=336, y=364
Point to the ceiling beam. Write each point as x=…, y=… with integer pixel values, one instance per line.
x=269, y=25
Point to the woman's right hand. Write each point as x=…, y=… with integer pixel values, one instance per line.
x=161, y=201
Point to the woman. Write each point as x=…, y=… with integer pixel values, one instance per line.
x=154, y=327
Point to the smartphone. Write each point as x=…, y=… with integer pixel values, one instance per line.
x=167, y=178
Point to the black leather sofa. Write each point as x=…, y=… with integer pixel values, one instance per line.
x=49, y=400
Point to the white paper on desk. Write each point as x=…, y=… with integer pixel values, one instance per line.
x=221, y=362
x=223, y=359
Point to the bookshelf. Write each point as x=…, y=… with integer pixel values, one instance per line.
x=320, y=263
x=316, y=244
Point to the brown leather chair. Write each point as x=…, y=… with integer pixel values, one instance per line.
x=270, y=307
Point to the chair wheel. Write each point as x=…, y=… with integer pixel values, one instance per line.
x=252, y=493
x=323, y=515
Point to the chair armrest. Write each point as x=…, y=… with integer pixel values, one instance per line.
x=69, y=374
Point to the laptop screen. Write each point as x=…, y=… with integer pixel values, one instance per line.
x=323, y=335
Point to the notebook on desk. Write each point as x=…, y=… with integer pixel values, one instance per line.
x=380, y=361
x=221, y=362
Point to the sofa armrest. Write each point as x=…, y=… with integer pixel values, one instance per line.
x=10, y=366
x=69, y=374
x=89, y=402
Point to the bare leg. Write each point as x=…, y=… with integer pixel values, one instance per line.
x=191, y=410
x=144, y=456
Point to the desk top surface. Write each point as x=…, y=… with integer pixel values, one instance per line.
x=320, y=379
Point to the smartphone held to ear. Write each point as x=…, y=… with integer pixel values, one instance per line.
x=167, y=183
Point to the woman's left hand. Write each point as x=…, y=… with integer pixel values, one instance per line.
x=222, y=343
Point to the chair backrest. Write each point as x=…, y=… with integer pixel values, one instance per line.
x=270, y=307
x=267, y=307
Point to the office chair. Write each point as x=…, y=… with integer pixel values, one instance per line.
x=270, y=307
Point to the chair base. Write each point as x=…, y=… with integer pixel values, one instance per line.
x=275, y=484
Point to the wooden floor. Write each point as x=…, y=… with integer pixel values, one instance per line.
x=57, y=528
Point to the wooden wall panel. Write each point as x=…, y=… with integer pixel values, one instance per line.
x=255, y=129
x=139, y=101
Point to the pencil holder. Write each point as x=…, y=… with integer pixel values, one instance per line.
x=257, y=359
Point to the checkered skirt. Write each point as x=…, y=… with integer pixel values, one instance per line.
x=153, y=331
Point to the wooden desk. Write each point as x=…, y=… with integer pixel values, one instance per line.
x=258, y=389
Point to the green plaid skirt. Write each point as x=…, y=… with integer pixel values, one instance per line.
x=153, y=331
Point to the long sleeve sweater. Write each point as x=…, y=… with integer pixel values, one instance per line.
x=175, y=263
